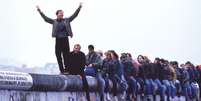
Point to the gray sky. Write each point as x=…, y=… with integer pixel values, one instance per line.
x=157, y=28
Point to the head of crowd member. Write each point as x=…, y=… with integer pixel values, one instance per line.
x=147, y=60
x=114, y=55
x=175, y=64
x=129, y=55
x=199, y=66
x=108, y=55
x=100, y=53
x=188, y=64
x=157, y=61
x=76, y=48
x=167, y=62
x=191, y=65
x=140, y=59
x=164, y=62
x=182, y=65
x=123, y=57
x=91, y=48
x=60, y=14
x=171, y=63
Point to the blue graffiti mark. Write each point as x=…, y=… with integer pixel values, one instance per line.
x=71, y=99
x=11, y=98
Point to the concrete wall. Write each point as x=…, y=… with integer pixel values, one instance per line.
x=15, y=86
x=12, y=95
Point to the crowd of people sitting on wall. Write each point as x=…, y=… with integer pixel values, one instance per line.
x=129, y=77
x=142, y=77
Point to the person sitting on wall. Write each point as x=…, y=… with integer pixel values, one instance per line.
x=93, y=64
x=76, y=67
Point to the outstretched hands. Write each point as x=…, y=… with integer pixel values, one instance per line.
x=38, y=8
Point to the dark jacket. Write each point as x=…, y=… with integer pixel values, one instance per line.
x=157, y=72
x=179, y=73
x=67, y=21
x=117, y=68
x=106, y=65
x=150, y=71
x=77, y=63
x=111, y=67
x=129, y=69
x=146, y=71
x=191, y=74
x=167, y=73
x=185, y=76
x=197, y=75
x=93, y=58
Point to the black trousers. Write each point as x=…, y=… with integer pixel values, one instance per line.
x=62, y=51
x=84, y=81
x=114, y=82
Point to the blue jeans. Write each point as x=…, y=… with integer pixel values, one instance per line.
x=107, y=85
x=195, y=90
x=178, y=87
x=161, y=88
x=149, y=86
x=186, y=90
x=91, y=71
x=114, y=82
x=173, y=89
x=132, y=85
x=101, y=85
x=140, y=87
x=168, y=86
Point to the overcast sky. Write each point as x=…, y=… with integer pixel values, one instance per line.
x=156, y=28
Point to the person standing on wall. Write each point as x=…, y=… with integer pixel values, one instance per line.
x=61, y=30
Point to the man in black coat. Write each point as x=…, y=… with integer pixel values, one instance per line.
x=77, y=61
x=76, y=67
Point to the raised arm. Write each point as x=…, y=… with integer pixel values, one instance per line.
x=47, y=19
x=72, y=17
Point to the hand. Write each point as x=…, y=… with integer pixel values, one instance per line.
x=90, y=65
x=81, y=3
x=71, y=36
x=38, y=8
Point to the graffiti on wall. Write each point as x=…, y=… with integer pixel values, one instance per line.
x=15, y=80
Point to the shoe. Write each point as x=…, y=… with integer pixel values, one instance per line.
x=61, y=73
x=108, y=97
x=128, y=98
x=134, y=97
x=123, y=96
x=115, y=98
